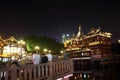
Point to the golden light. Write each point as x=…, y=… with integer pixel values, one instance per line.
x=80, y=75
x=21, y=42
x=61, y=51
x=20, y=49
x=10, y=50
x=45, y=50
x=36, y=47
x=119, y=40
x=49, y=51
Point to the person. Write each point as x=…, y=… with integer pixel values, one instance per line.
x=65, y=55
x=55, y=57
x=49, y=55
x=36, y=58
x=44, y=58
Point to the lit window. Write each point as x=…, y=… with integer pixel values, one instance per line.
x=84, y=75
x=88, y=76
x=80, y=75
x=82, y=54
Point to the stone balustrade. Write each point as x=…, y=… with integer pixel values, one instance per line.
x=51, y=70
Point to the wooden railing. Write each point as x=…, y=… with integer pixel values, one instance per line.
x=50, y=70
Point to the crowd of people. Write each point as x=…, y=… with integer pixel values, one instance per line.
x=42, y=58
x=37, y=58
x=47, y=57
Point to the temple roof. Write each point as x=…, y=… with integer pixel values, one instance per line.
x=94, y=31
x=11, y=39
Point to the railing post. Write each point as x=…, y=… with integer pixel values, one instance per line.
x=72, y=65
x=14, y=72
x=50, y=70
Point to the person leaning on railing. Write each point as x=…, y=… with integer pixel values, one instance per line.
x=50, y=57
x=44, y=58
x=36, y=58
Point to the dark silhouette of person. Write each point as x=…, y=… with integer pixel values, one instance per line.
x=44, y=58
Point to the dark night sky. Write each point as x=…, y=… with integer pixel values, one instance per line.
x=53, y=18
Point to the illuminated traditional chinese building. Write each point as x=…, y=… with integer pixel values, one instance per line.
x=11, y=47
x=90, y=51
x=1, y=44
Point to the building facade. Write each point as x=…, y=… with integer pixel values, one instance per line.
x=91, y=52
x=11, y=47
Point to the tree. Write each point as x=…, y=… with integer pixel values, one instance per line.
x=43, y=42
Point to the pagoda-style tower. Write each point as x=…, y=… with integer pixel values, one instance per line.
x=90, y=52
x=99, y=43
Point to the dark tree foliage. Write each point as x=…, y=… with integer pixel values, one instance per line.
x=43, y=42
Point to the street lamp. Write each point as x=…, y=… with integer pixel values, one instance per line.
x=61, y=51
x=37, y=48
x=45, y=50
x=49, y=51
x=21, y=42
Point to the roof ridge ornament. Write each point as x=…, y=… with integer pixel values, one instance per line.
x=94, y=30
x=79, y=32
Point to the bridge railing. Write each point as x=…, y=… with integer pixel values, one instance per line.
x=51, y=70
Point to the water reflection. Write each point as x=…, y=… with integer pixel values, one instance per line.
x=95, y=70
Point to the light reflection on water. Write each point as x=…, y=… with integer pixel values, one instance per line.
x=112, y=73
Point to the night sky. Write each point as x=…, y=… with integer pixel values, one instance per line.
x=53, y=18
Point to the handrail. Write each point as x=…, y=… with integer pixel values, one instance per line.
x=52, y=70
